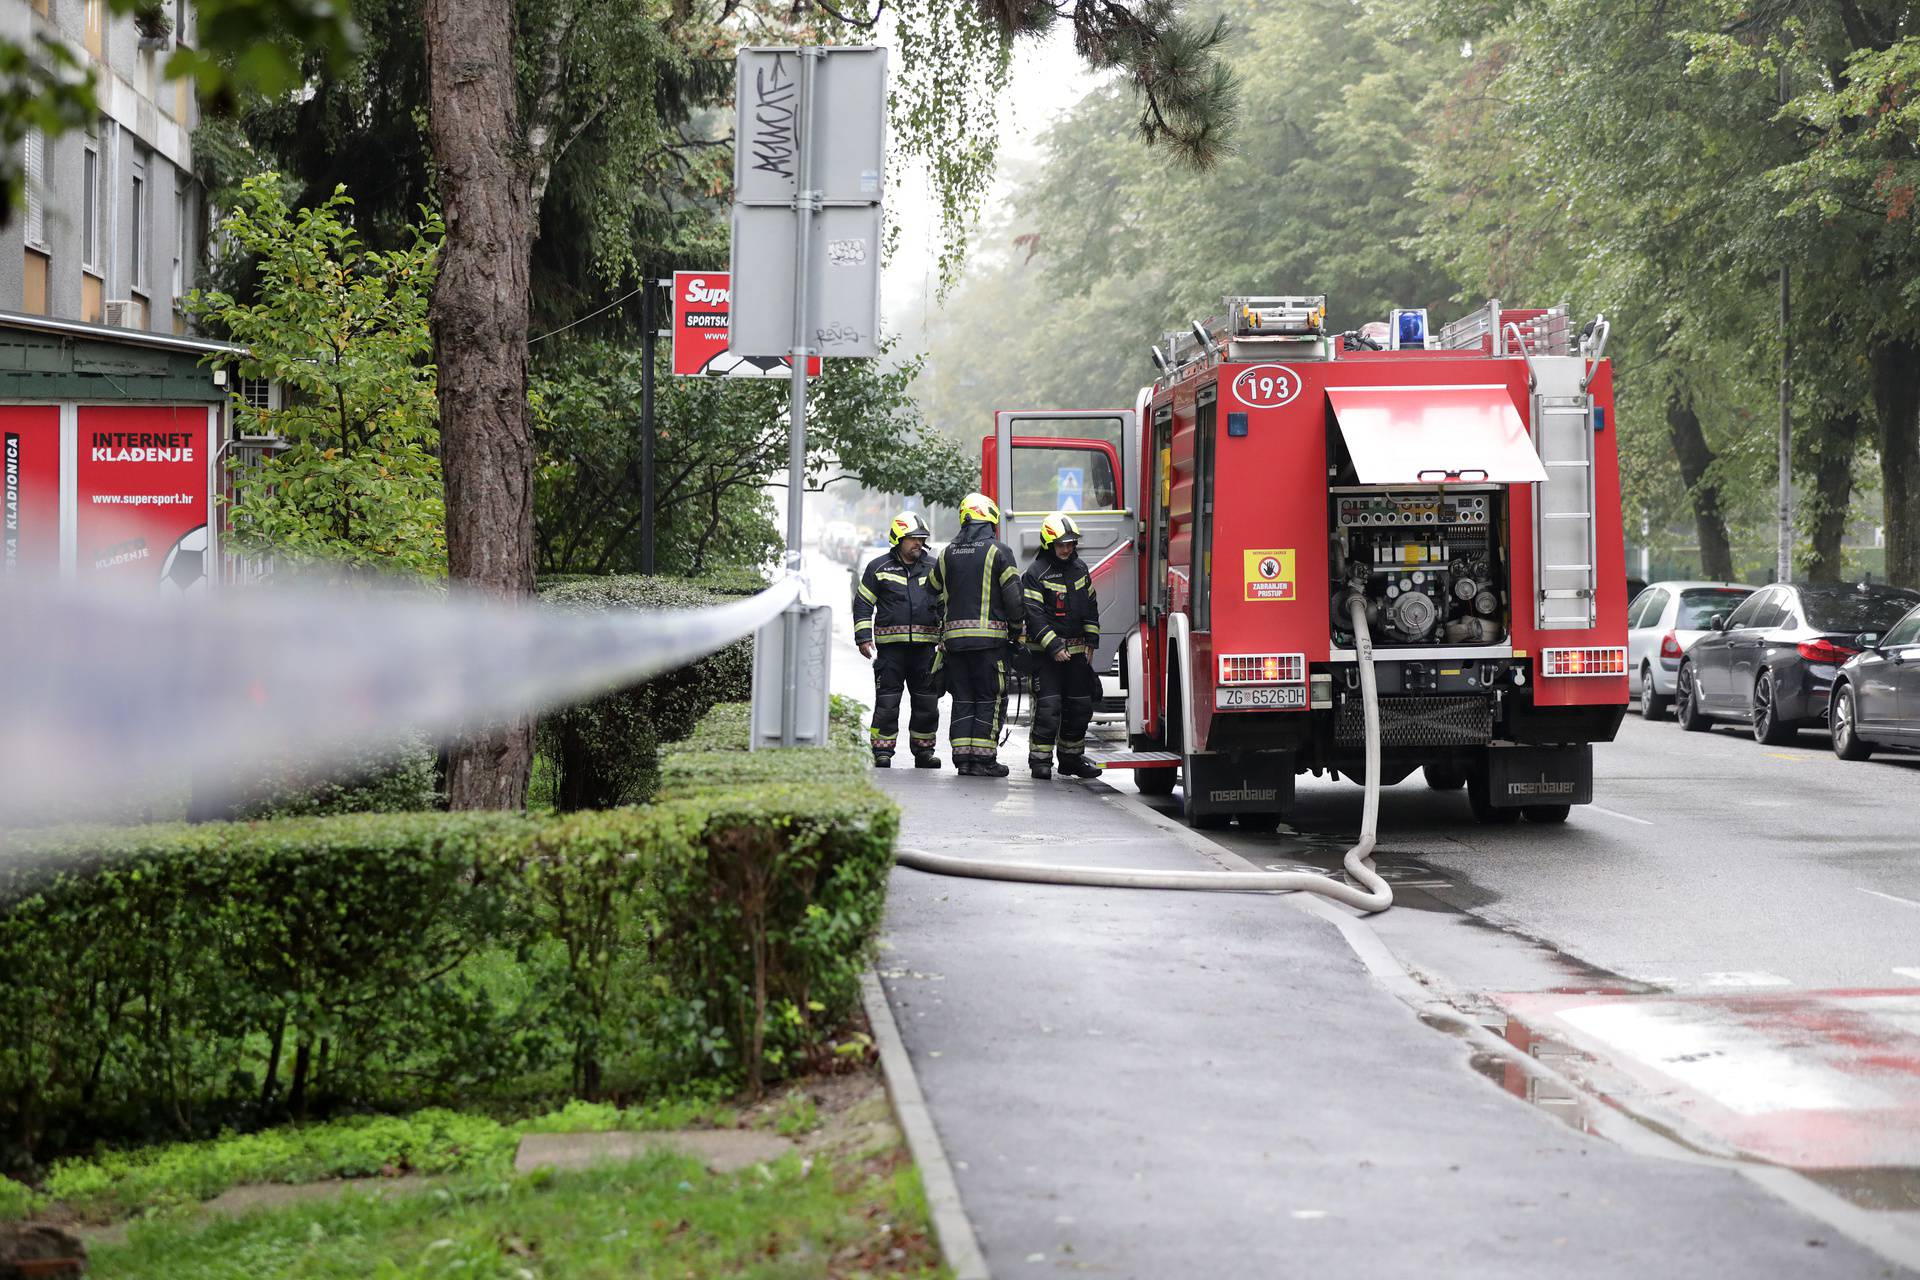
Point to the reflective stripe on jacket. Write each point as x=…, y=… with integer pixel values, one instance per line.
x=979, y=590
x=1063, y=613
x=893, y=603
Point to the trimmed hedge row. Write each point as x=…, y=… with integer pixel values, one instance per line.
x=606, y=752
x=177, y=978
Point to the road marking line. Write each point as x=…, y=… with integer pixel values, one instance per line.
x=1890, y=897
x=1744, y=978
x=1911, y=971
x=1625, y=817
x=1781, y=755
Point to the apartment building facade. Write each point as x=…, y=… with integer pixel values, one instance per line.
x=113, y=232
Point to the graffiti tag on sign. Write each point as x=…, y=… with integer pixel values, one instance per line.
x=775, y=140
x=1269, y=574
x=850, y=252
x=1266, y=386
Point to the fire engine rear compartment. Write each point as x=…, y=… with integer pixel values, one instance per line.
x=1262, y=525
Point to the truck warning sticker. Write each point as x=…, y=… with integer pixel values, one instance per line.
x=1269, y=574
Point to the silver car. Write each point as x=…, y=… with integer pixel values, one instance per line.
x=1663, y=621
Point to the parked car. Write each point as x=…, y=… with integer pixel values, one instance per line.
x=1876, y=696
x=1773, y=661
x=1662, y=623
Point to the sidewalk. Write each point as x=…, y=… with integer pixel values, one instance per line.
x=1150, y=1084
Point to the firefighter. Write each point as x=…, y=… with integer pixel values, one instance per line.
x=896, y=623
x=1063, y=630
x=979, y=588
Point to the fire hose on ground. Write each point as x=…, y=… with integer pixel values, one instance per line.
x=1375, y=895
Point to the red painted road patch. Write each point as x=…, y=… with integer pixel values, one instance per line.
x=1809, y=1079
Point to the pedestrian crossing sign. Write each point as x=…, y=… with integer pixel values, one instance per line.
x=1069, y=485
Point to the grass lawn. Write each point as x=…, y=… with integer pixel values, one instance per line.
x=663, y=1215
x=845, y=1202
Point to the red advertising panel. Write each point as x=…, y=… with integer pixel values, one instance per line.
x=29, y=489
x=700, y=303
x=143, y=479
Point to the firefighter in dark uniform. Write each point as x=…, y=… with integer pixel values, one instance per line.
x=896, y=623
x=1063, y=630
x=979, y=587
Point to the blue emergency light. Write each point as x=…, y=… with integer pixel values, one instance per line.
x=1408, y=328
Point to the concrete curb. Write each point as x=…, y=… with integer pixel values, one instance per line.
x=950, y=1225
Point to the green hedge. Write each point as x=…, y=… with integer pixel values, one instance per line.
x=605, y=752
x=178, y=978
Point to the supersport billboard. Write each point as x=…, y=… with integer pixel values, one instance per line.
x=701, y=305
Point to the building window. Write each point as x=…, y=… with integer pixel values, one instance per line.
x=33, y=166
x=40, y=7
x=94, y=33
x=90, y=209
x=141, y=225
x=182, y=242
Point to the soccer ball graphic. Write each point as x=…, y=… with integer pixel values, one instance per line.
x=185, y=569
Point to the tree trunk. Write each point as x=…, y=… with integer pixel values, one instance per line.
x=1896, y=404
x=1839, y=436
x=479, y=318
x=1696, y=459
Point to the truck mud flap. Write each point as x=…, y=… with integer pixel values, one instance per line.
x=1519, y=776
x=1239, y=782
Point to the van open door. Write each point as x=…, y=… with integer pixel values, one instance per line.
x=1079, y=461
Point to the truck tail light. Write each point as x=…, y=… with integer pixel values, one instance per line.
x=1670, y=647
x=1583, y=662
x=1825, y=650
x=1263, y=668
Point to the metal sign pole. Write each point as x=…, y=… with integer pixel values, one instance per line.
x=805, y=201
x=648, y=325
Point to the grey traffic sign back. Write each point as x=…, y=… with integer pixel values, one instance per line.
x=844, y=136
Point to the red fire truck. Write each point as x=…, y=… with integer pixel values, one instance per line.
x=1463, y=485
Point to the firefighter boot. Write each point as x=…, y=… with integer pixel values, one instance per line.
x=882, y=762
x=925, y=760
x=1043, y=771
x=987, y=767
x=1080, y=767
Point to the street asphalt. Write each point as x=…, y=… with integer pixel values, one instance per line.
x=1158, y=1084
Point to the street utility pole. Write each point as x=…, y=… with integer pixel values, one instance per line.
x=649, y=327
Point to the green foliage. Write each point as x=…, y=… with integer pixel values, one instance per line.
x=661, y=1215
x=398, y=780
x=717, y=441
x=605, y=752
x=176, y=979
x=767, y=926
x=169, y=977
x=344, y=330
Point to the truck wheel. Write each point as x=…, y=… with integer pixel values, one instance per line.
x=1442, y=777
x=1157, y=781
x=1481, y=803
x=1264, y=823
x=1547, y=813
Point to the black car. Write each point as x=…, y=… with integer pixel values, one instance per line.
x=1772, y=663
x=1876, y=697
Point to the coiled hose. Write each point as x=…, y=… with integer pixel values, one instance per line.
x=1376, y=895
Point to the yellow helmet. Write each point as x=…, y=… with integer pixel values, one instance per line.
x=907, y=524
x=1059, y=527
x=978, y=508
